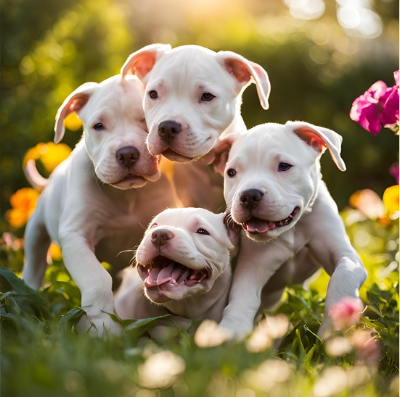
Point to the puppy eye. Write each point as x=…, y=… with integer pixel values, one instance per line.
x=207, y=97
x=153, y=94
x=231, y=172
x=284, y=167
x=98, y=127
x=153, y=225
x=202, y=231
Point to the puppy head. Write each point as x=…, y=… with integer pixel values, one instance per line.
x=183, y=252
x=115, y=130
x=192, y=96
x=272, y=173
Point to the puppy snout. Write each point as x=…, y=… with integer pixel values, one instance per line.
x=159, y=237
x=167, y=130
x=127, y=156
x=250, y=198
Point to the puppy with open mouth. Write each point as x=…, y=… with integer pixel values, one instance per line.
x=274, y=190
x=183, y=267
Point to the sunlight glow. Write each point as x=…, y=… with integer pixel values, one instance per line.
x=306, y=9
x=358, y=18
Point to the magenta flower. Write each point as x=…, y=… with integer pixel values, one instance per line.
x=346, y=313
x=394, y=171
x=378, y=106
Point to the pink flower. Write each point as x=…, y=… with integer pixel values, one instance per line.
x=366, y=346
x=378, y=106
x=346, y=313
x=394, y=171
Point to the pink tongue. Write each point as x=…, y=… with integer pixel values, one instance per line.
x=151, y=279
x=165, y=274
x=255, y=225
x=172, y=273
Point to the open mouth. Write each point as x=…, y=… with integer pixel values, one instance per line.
x=256, y=225
x=163, y=271
x=174, y=156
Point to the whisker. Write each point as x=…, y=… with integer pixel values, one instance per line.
x=122, y=252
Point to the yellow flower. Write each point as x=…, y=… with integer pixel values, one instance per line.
x=391, y=201
x=55, y=252
x=73, y=122
x=50, y=154
x=23, y=203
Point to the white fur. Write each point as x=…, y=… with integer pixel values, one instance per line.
x=180, y=76
x=205, y=299
x=315, y=234
x=88, y=197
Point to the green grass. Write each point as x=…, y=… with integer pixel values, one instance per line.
x=43, y=355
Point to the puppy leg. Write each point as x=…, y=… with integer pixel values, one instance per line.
x=93, y=281
x=333, y=250
x=37, y=242
x=255, y=266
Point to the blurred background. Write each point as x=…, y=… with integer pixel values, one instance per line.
x=320, y=56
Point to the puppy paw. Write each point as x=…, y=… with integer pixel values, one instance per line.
x=98, y=325
x=325, y=330
x=236, y=331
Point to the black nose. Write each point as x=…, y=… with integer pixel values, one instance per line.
x=127, y=156
x=168, y=130
x=159, y=237
x=250, y=198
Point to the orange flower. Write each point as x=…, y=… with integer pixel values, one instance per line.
x=391, y=201
x=50, y=154
x=23, y=203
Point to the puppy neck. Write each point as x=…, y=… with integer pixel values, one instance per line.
x=236, y=126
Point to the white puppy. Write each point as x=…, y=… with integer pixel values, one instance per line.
x=193, y=95
x=184, y=266
x=273, y=189
x=88, y=197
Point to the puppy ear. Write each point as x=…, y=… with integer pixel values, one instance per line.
x=218, y=156
x=142, y=61
x=74, y=103
x=246, y=72
x=320, y=138
x=233, y=229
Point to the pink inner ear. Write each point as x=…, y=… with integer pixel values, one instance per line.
x=77, y=104
x=312, y=139
x=238, y=70
x=142, y=66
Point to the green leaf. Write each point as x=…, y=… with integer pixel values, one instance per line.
x=71, y=317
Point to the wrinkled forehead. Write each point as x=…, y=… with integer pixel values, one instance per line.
x=192, y=66
x=116, y=96
x=185, y=217
x=266, y=141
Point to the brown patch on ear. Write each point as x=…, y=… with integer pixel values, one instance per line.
x=73, y=103
x=311, y=138
x=220, y=154
x=78, y=103
x=143, y=64
x=238, y=70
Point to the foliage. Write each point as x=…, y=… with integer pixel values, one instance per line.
x=43, y=355
x=317, y=68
